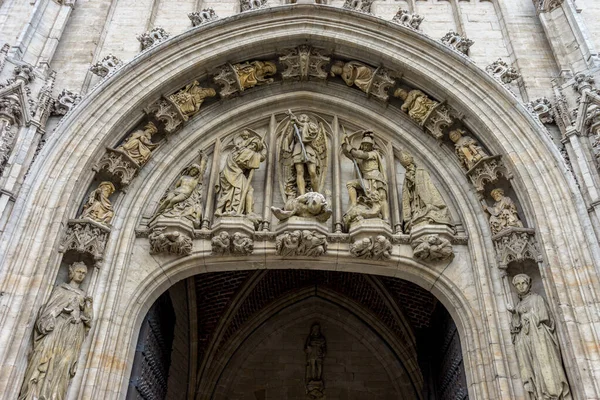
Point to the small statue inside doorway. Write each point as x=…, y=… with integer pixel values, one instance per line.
x=469, y=152
x=184, y=199
x=315, y=350
x=60, y=329
x=503, y=214
x=533, y=332
x=138, y=146
x=422, y=203
x=368, y=192
x=98, y=207
x=303, y=156
x=236, y=195
x=416, y=104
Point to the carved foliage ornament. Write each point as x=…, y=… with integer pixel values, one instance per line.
x=542, y=109
x=358, y=5
x=405, y=18
x=152, y=37
x=85, y=237
x=301, y=243
x=503, y=72
x=249, y=5
x=65, y=102
x=238, y=243
x=303, y=62
x=107, y=66
x=202, y=17
x=457, y=42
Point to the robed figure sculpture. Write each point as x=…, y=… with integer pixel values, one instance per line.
x=61, y=326
x=315, y=350
x=536, y=343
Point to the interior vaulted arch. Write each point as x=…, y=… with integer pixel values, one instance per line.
x=468, y=287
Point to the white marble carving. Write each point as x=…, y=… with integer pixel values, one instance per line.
x=501, y=71
x=107, y=66
x=405, y=18
x=457, y=42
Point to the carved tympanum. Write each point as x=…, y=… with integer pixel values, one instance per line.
x=60, y=329
x=301, y=243
x=309, y=205
x=421, y=200
x=370, y=180
x=98, y=206
x=534, y=336
x=315, y=349
x=372, y=248
x=503, y=214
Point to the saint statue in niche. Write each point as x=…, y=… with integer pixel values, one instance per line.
x=255, y=73
x=534, y=335
x=421, y=201
x=235, y=179
x=98, y=207
x=416, y=104
x=62, y=325
x=138, y=146
x=315, y=350
x=303, y=156
x=370, y=185
x=354, y=73
x=189, y=99
x=468, y=151
x=503, y=214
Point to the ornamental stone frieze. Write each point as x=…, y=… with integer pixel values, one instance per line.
x=372, y=248
x=152, y=37
x=65, y=101
x=107, y=66
x=202, y=17
x=373, y=81
x=407, y=19
x=239, y=77
x=250, y=5
x=304, y=243
x=542, y=109
x=363, y=6
x=85, y=237
x=457, y=42
x=304, y=62
x=501, y=71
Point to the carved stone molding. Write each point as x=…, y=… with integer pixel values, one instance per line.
x=372, y=248
x=166, y=112
x=237, y=244
x=405, y=18
x=238, y=77
x=118, y=165
x=65, y=102
x=171, y=235
x=457, y=42
x=541, y=108
x=202, y=17
x=500, y=70
x=305, y=243
x=488, y=170
x=515, y=244
x=107, y=66
x=249, y=5
x=548, y=5
x=86, y=237
x=358, y=5
x=303, y=62
x=152, y=37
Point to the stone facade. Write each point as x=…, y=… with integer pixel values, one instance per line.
x=244, y=123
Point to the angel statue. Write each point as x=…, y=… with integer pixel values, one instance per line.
x=235, y=179
x=370, y=175
x=184, y=200
x=303, y=156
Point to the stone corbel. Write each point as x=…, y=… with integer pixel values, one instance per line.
x=515, y=245
x=152, y=37
x=85, y=237
x=170, y=235
x=432, y=243
x=107, y=66
x=372, y=248
x=363, y=6
x=501, y=71
x=233, y=236
x=202, y=17
x=168, y=113
x=405, y=18
x=457, y=42
x=303, y=62
x=438, y=119
x=302, y=243
x=118, y=165
x=541, y=108
x=65, y=102
x=488, y=170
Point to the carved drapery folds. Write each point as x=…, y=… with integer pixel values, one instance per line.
x=152, y=37
x=65, y=101
x=189, y=99
x=358, y=5
x=405, y=18
x=304, y=62
x=304, y=243
x=107, y=66
x=239, y=77
x=457, y=42
x=433, y=116
x=372, y=248
x=373, y=81
x=315, y=349
x=249, y=5
x=202, y=17
x=502, y=72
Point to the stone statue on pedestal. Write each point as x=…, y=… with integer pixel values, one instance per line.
x=315, y=350
x=98, y=207
x=138, y=146
x=536, y=343
x=503, y=214
x=60, y=329
x=469, y=152
x=416, y=104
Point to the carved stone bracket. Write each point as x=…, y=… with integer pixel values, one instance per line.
x=548, y=5
x=237, y=244
x=432, y=242
x=86, y=237
x=303, y=62
x=488, y=170
x=501, y=71
x=541, y=108
x=457, y=42
x=405, y=18
x=24, y=73
x=515, y=244
x=118, y=165
x=171, y=235
x=383, y=79
x=166, y=112
x=583, y=83
x=152, y=37
x=249, y=5
x=437, y=120
x=305, y=243
x=358, y=5
x=372, y=248
x=202, y=17
x=107, y=66
x=65, y=102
